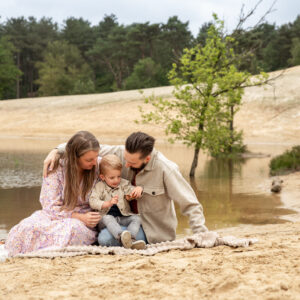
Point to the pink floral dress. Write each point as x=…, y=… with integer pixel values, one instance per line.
x=50, y=226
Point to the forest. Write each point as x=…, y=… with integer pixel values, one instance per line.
x=43, y=58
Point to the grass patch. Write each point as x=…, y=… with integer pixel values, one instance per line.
x=287, y=162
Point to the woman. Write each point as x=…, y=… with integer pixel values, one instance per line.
x=66, y=218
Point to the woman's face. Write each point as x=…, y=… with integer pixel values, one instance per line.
x=88, y=160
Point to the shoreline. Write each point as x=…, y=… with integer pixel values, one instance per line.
x=288, y=196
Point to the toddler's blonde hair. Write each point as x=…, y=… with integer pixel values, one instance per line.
x=110, y=162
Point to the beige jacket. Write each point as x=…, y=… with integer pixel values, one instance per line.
x=162, y=183
x=101, y=192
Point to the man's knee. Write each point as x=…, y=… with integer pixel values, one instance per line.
x=105, y=238
x=141, y=235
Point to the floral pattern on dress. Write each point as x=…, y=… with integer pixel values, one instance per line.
x=51, y=226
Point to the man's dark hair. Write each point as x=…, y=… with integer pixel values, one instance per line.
x=140, y=142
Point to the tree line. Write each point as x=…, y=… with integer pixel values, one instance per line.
x=41, y=58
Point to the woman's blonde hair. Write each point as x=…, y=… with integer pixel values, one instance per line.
x=110, y=161
x=78, y=145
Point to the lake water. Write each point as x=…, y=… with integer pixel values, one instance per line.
x=229, y=191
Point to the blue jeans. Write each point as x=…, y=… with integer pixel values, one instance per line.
x=105, y=238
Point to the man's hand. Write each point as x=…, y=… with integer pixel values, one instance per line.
x=49, y=161
x=137, y=192
x=90, y=219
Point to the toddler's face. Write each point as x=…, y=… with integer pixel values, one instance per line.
x=112, y=177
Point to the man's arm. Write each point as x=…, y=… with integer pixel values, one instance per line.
x=107, y=149
x=182, y=193
x=52, y=157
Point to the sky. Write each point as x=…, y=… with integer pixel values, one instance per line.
x=196, y=12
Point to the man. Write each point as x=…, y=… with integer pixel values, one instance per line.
x=162, y=184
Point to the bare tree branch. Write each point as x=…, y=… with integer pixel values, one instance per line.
x=244, y=17
x=263, y=18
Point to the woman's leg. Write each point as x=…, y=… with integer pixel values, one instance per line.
x=105, y=238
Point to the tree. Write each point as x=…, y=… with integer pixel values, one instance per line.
x=295, y=52
x=173, y=38
x=202, y=35
x=259, y=48
x=40, y=33
x=177, y=35
x=208, y=91
x=78, y=32
x=112, y=53
x=16, y=30
x=143, y=38
x=29, y=37
x=8, y=71
x=104, y=79
x=283, y=45
x=146, y=74
x=63, y=71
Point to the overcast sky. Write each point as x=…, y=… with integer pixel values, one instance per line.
x=196, y=12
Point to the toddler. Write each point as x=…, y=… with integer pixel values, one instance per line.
x=110, y=197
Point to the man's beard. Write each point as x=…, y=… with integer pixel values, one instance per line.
x=136, y=170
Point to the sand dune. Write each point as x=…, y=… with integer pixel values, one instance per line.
x=268, y=114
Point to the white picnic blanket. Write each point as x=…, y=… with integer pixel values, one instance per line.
x=202, y=240
x=3, y=253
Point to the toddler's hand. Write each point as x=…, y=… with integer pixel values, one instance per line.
x=114, y=200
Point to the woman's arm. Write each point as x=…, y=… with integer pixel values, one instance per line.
x=52, y=156
x=51, y=200
x=90, y=219
x=52, y=194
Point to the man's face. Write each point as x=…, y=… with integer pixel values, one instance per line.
x=134, y=160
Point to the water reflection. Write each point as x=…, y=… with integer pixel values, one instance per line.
x=17, y=204
x=227, y=189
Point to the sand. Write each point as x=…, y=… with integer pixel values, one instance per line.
x=269, y=269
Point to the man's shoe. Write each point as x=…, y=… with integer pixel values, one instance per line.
x=126, y=239
x=138, y=245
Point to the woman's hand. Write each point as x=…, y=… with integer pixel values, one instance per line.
x=49, y=161
x=90, y=219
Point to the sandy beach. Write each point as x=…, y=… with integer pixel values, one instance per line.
x=269, y=269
